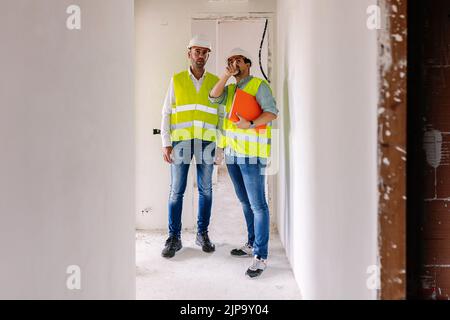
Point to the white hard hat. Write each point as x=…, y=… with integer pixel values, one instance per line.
x=201, y=41
x=240, y=52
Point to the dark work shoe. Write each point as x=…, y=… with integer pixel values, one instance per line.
x=244, y=251
x=257, y=268
x=173, y=244
x=204, y=242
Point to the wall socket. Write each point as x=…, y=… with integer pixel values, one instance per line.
x=146, y=211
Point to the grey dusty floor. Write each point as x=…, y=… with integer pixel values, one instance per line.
x=195, y=275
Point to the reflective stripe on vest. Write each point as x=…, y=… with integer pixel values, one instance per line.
x=191, y=107
x=250, y=142
x=193, y=115
x=246, y=137
x=198, y=124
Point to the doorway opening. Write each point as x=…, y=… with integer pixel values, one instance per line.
x=193, y=274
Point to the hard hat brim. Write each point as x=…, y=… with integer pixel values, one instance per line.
x=198, y=46
x=239, y=55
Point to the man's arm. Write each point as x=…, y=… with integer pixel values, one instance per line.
x=219, y=88
x=219, y=96
x=267, y=102
x=165, y=123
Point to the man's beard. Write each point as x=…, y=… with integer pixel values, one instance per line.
x=200, y=64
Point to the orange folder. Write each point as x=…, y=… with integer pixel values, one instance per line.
x=246, y=106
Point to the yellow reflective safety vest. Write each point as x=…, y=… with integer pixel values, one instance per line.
x=246, y=142
x=193, y=115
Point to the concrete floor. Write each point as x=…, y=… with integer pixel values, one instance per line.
x=195, y=275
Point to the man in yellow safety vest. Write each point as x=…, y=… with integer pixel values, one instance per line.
x=188, y=129
x=247, y=148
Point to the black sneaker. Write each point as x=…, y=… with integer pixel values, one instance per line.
x=244, y=251
x=173, y=244
x=204, y=242
x=257, y=268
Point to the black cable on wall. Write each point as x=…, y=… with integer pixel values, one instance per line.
x=260, y=50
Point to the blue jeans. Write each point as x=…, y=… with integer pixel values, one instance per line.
x=248, y=180
x=204, y=153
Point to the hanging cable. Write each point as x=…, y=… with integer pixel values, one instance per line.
x=260, y=51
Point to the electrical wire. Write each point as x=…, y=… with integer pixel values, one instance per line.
x=260, y=51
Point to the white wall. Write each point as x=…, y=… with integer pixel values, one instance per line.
x=163, y=30
x=67, y=150
x=327, y=187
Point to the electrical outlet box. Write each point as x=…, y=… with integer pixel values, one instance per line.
x=146, y=210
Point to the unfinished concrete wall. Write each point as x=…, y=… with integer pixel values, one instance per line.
x=327, y=185
x=67, y=141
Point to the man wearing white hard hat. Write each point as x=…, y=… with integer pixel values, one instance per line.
x=247, y=149
x=188, y=130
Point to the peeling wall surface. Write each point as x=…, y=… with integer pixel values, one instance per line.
x=327, y=184
x=392, y=151
x=435, y=225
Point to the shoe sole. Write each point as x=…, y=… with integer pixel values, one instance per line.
x=241, y=255
x=207, y=251
x=172, y=255
x=254, y=277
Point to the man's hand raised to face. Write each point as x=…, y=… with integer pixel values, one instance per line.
x=231, y=69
